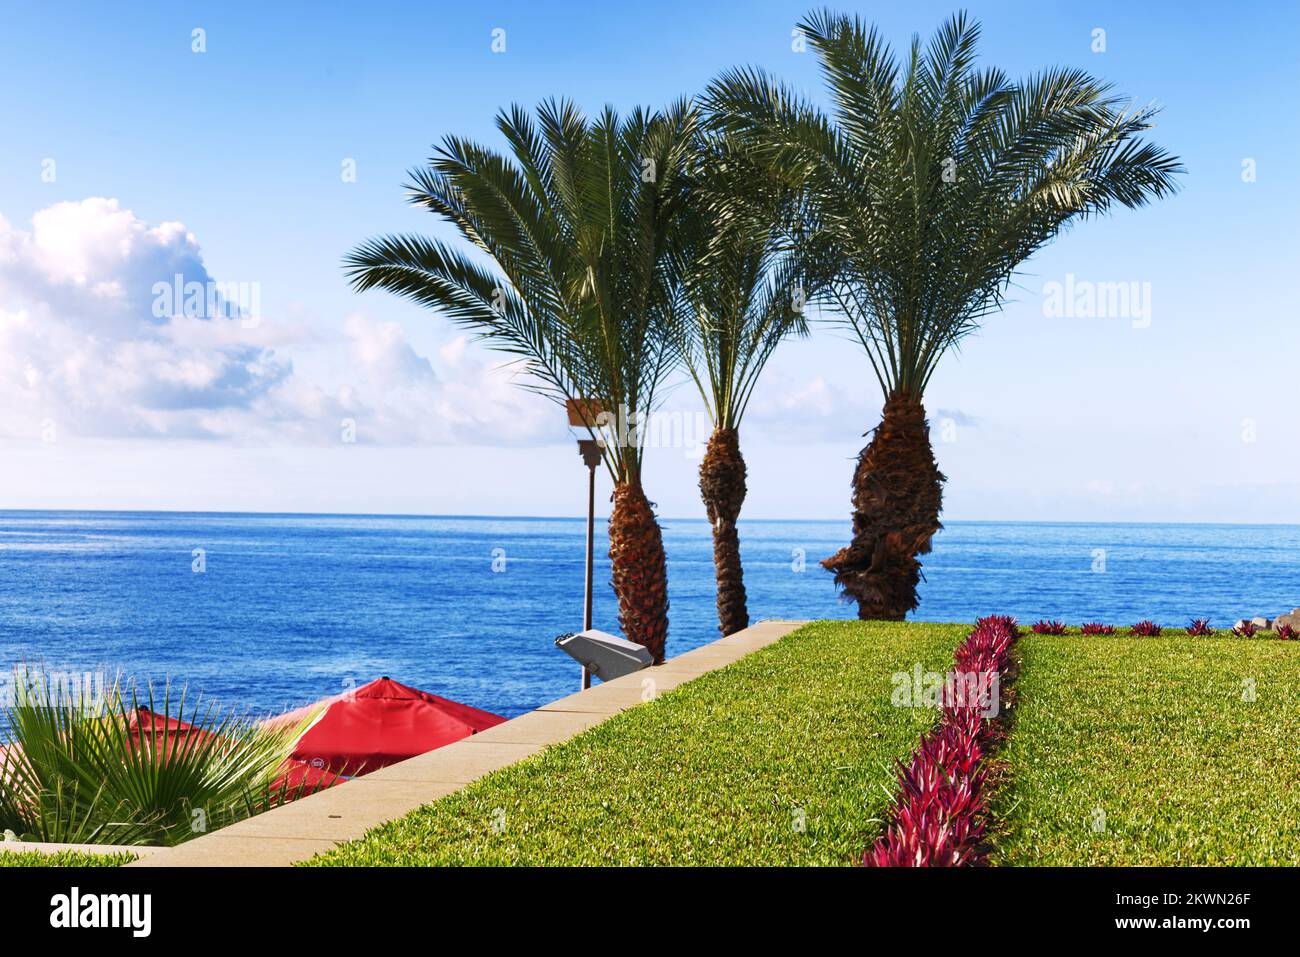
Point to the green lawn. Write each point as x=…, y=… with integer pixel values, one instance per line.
x=63, y=859
x=1154, y=734
x=785, y=757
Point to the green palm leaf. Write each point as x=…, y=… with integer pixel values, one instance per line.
x=80, y=769
x=577, y=222
x=934, y=181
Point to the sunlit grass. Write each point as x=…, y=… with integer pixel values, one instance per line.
x=1161, y=750
x=62, y=859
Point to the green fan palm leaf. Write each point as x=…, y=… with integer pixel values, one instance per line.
x=90, y=768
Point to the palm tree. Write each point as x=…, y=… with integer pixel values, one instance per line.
x=746, y=279
x=934, y=182
x=579, y=221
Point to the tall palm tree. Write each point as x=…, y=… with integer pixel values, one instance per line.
x=579, y=221
x=746, y=280
x=934, y=181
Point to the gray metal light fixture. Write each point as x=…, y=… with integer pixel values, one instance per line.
x=603, y=655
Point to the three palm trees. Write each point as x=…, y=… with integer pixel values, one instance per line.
x=623, y=246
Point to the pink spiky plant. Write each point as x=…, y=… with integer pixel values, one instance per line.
x=1287, y=633
x=1046, y=627
x=1246, y=629
x=1199, y=628
x=940, y=815
x=1146, y=629
x=1097, y=628
x=1007, y=623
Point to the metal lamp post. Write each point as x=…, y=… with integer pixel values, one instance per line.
x=583, y=412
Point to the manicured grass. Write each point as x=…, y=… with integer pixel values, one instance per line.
x=63, y=859
x=1154, y=734
x=785, y=757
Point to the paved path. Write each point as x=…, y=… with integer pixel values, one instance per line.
x=304, y=828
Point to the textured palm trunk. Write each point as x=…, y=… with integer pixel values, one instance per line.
x=897, y=496
x=636, y=551
x=722, y=486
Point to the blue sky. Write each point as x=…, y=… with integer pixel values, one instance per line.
x=1189, y=416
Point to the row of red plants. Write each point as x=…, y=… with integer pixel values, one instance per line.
x=940, y=817
x=1199, y=627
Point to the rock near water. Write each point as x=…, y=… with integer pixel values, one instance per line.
x=1293, y=619
x=1272, y=624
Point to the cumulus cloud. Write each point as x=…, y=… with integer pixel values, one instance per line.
x=93, y=263
x=395, y=392
x=817, y=409
x=957, y=416
x=382, y=354
x=809, y=410
x=110, y=327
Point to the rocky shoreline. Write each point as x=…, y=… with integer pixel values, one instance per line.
x=1290, y=620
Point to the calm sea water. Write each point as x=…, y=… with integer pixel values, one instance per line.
x=293, y=607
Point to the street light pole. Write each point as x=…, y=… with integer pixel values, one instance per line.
x=585, y=413
x=591, y=457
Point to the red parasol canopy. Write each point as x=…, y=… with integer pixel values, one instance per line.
x=301, y=778
x=170, y=736
x=381, y=723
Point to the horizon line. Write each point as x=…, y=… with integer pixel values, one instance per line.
x=582, y=518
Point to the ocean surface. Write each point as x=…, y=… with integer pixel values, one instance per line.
x=290, y=608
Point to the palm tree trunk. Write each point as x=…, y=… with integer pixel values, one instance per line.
x=722, y=486
x=897, y=496
x=636, y=550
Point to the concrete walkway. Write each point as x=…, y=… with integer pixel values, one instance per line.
x=304, y=828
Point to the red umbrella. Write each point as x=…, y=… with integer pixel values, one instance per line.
x=381, y=723
x=171, y=735
x=302, y=778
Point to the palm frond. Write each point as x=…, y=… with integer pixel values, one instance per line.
x=578, y=221
x=932, y=182
x=83, y=767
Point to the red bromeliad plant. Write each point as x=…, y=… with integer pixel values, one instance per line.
x=1097, y=628
x=1046, y=627
x=1146, y=629
x=1246, y=629
x=1005, y=622
x=1199, y=627
x=940, y=817
x=1287, y=633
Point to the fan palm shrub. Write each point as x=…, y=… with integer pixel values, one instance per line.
x=934, y=181
x=746, y=279
x=579, y=221
x=99, y=767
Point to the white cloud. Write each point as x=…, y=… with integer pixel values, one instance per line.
x=383, y=355
x=100, y=337
x=94, y=263
x=396, y=393
x=794, y=411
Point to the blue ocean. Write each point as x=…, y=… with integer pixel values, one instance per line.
x=262, y=612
